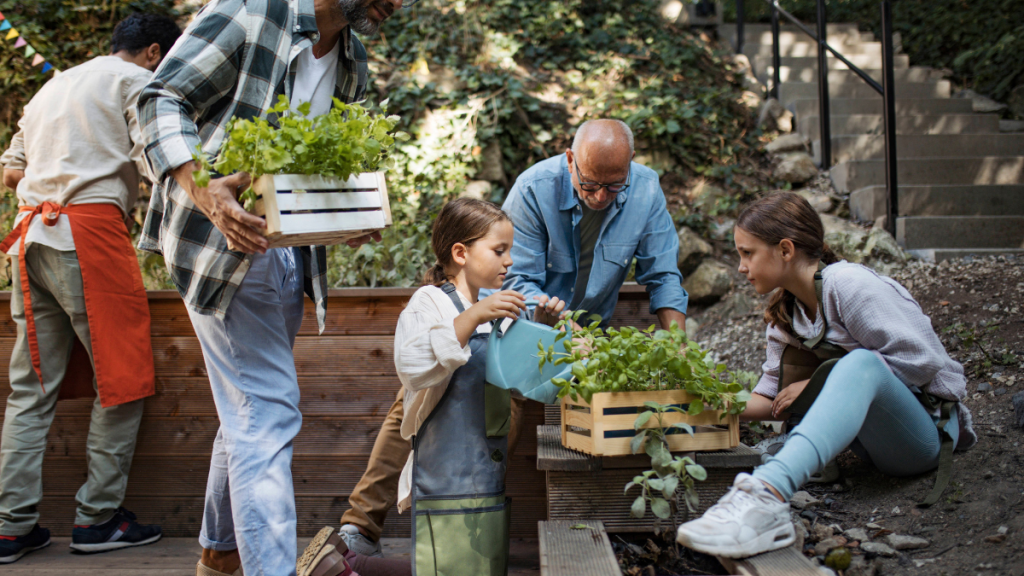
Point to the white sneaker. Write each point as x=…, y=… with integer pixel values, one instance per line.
x=748, y=520
x=358, y=543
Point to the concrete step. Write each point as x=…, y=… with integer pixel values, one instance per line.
x=764, y=38
x=926, y=124
x=960, y=232
x=942, y=254
x=855, y=174
x=860, y=89
x=867, y=204
x=868, y=146
x=862, y=61
x=904, y=106
x=810, y=49
x=753, y=29
x=841, y=77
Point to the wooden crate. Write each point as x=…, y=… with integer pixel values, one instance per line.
x=605, y=427
x=306, y=210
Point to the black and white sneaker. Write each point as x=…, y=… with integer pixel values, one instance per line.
x=14, y=547
x=121, y=531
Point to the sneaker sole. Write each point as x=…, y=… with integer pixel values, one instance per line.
x=22, y=552
x=764, y=543
x=108, y=546
x=311, y=554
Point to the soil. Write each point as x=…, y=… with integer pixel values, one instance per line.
x=977, y=527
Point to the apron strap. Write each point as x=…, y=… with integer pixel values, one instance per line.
x=945, y=469
x=817, y=340
x=452, y=293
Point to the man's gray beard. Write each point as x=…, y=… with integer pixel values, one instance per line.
x=357, y=14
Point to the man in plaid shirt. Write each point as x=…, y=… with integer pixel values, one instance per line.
x=245, y=301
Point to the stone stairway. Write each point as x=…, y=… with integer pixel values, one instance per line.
x=961, y=180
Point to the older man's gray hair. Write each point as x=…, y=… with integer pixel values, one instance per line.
x=581, y=133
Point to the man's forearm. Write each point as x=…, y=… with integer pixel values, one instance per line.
x=667, y=315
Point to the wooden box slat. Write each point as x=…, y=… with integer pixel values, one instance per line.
x=567, y=549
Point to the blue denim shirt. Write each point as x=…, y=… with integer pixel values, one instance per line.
x=546, y=250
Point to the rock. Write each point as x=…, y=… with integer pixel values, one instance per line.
x=823, y=547
x=773, y=116
x=881, y=245
x=671, y=9
x=858, y=534
x=872, y=526
x=735, y=305
x=984, y=387
x=750, y=99
x=902, y=542
x=705, y=195
x=692, y=251
x=878, y=549
x=820, y=532
x=491, y=168
x=1011, y=125
x=691, y=327
x=743, y=69
x=660, y=161
x=479, y=189
x=980, y=103
x=999, y=392
x=1016, y=101
x=995, y=539
x=820, y=202
x=1018, y=408
x=796, y=168
x=802, y=500
x=795, y=142
x=708, y=283
x=859, y=566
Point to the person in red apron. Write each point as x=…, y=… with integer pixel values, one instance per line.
x=77, y=297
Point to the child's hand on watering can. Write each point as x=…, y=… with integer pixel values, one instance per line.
x=549, y=310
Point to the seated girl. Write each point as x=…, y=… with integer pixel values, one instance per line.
x=892, y=392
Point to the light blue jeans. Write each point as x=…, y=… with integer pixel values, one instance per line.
x=250, y=503
x=862, y=399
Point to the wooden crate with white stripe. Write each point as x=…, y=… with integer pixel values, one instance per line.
x=305, y=210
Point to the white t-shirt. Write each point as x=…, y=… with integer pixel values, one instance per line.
x=315, y=79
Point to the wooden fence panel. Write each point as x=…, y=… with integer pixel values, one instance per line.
x=347, y=381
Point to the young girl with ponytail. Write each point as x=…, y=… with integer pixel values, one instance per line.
x=850, y=352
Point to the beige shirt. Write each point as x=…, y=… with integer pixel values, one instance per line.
x=79, y=143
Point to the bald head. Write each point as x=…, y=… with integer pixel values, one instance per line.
x=601, y=152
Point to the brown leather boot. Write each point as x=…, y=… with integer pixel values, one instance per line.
x=325, y=556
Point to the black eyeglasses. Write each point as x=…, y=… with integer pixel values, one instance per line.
x=595, y=186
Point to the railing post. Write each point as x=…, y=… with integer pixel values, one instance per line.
x=824, y=117
x=889, y=118
x=776, y=58
x=739, y=26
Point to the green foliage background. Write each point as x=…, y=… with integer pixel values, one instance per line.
x=466, y=76
x=981, y=41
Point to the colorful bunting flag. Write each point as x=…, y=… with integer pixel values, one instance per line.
x=2, y=16
x=29, y=50
x=21, y=42
x=46, y=67
x=38, y=60
x=12, y=34
x=6, y=25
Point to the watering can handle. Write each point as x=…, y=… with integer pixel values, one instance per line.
x=496, y=324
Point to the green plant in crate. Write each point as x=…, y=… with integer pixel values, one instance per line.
x=348, y=140
x=628, y=359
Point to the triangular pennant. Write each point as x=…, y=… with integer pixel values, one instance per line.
x=12, y=34
x=6, y=25
x=2, y=17
x=46, y=67
x=21, y=42
x=29, y=51
x=38, y=60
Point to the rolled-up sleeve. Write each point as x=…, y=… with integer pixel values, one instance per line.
x=427, y=351
x=529, y=251
x=768, y=385
x=200, y=69
x=656, y=260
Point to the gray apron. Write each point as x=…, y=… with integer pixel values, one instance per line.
x=460, y=512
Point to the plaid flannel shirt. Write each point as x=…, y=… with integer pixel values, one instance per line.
x=233, y=60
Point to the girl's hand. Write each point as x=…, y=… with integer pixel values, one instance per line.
x=549, y=310
x=504, y=304
x=786, y=397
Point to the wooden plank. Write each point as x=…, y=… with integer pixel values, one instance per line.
x=568, y=550
x=298, y=226
x=551, y=455
x=783, y=562
x=322, y=200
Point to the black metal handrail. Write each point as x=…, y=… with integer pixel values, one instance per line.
x=886, y=88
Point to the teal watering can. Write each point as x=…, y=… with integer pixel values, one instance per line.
x=512, y=358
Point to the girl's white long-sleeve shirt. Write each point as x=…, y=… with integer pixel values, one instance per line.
x=427, y=353
x=873, y=312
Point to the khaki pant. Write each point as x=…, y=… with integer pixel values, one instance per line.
x=377, y=490
x=59, y=306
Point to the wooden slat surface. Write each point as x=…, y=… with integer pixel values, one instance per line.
x=784, y=562
x=347, y=382
x=576, y=548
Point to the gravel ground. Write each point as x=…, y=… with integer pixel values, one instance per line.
x=978, y=525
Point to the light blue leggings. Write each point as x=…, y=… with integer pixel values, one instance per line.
x=863, y=400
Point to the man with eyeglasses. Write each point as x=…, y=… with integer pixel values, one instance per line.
x=582, y=218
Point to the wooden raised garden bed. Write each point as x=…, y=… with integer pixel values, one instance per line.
x=605, y=426
x=306, y=210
